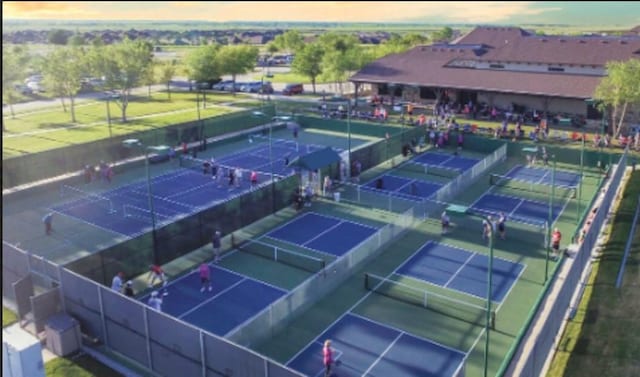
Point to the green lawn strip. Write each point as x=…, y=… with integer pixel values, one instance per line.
x=64, y=137
x=8, y=317
x=602, y=338
x=79, y=366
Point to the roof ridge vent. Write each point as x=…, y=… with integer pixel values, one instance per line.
x=544, y=39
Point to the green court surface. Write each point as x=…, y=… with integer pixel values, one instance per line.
x=524, y=244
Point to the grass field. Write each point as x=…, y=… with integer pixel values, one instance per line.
x=78, y=366
x=8, y=317
x=602, y=340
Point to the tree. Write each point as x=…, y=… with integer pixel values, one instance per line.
x=58, y=37
x=443, y=35
x=236, y=60
x=149, y=77
x=619, y=91
x=308, y=62
x=291, y=41
x=123, y=66
x=76, y=40
x=342, y=54
x=63, y=71
x=13, y=71
x=167, y=71
x=202, y=65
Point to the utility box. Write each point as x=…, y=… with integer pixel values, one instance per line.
x=63, y=334
x=21, y=354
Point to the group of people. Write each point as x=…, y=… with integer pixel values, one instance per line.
x=234, y=175
x=102, y=171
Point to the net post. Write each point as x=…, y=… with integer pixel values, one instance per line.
x=493, y=320
x=275, y=253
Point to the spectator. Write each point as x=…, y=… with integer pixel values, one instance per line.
x=214, y=168
x=128, y=289
x=297, y=199
x=501, y=225
x=185, y=149
x=116, y=283
x=48, y=223
x=327, y=185
x=108, y=173
x=308, y=195
x=88, y=174
x=216, y=243
x=444, y=220
x=556, y=237
x=155, y=302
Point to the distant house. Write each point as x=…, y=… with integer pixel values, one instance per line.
x=502, y=66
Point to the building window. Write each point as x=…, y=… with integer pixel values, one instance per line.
x=555, y=69
x=496, y=66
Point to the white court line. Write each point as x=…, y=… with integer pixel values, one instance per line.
x=211, y=299
x=321, y=234
x=376, y=361
x=458, y=270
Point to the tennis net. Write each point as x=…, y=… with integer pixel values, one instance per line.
x=465, y=311
x=67, y=191
x=420, y=168
x=532, y=187
x=279, y=254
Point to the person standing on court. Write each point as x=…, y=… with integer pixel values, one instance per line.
x=205, y=277
x=327, y=358
x=556, y=236
x=216, y=243
x=116, y=283
x=155, y=301
x=156, y=272
x=486, y=227
x=48, y=223
x=501, y=226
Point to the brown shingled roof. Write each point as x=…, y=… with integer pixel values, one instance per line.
x=426, y=66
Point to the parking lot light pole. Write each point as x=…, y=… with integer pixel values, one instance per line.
x=135, y=143
x=488, y=319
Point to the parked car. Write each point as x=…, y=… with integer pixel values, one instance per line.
x=207, y=84
x=292, y=89
x=23, y=89
x=221, y=85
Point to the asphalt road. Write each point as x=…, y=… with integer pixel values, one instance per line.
x=178, y=83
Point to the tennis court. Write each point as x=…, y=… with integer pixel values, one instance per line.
x=126, y=210
x=443, y=160
x=234, y=299
x=329, y=235
x=523, y=194
x=366, y=347
x=462, y=270
x=413, y=189
x=543, y=176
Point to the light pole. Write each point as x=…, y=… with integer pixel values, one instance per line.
x=135, y=143
x=488, y=319
x=550, y=220
x=109, y=117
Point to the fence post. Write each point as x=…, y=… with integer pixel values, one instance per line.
x=146, y=330
x=102, y=317
x=203, y=354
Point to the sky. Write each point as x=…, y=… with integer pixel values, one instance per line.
x=612, y=13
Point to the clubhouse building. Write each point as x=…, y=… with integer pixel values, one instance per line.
x=502, y=67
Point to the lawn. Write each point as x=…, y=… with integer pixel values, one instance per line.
x=8, y=317
x=602, y=340
x=78, y=366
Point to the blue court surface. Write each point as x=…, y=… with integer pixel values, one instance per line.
x=408, y=188
x=517, y=209
x=543, y=176
x=233, y=300
x=326, y=234
x=126, y=209
x=365, y=347
x=446, y=161
x=462, y=270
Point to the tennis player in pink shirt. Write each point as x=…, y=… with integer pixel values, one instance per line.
x=205, y=277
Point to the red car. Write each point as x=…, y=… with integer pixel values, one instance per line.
x=292, y=89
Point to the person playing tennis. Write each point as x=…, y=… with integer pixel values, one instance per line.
x=156, y=272
x=205, y=277
x=444, y=219
x=501, y=227
x=327, y=358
